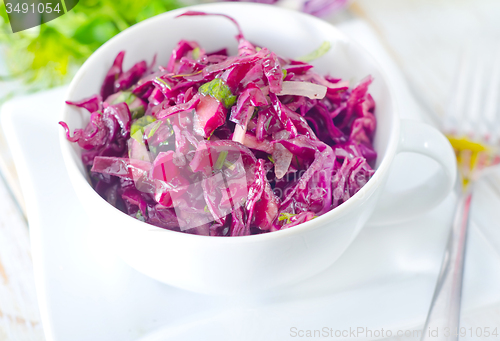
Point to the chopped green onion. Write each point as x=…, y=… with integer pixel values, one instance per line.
x=229, y=165
x=138, y=136
x=163, y=82
x=140, y=124
x=129, y=98
x=284, y=73
x=154, y=129
x=219, y=90
x=221, y=159
x=124, y=96
x=255, y=113
x=286, y=216
x=137, y=112
x=268, y=123
x=324, y=48
x=187, y=74
x=196, y=53
x=139, y=216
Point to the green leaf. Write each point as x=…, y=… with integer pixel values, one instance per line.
x=49, y=55
x=96, y=31
x=219, y=90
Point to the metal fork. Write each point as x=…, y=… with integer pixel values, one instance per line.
x=472, y=125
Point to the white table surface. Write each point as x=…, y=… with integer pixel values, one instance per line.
x=424, y=38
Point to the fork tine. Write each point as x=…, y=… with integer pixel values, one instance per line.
x=470, y=120
x=488, y=121
x=473, y=111
x=454, y=111
x=474, y=106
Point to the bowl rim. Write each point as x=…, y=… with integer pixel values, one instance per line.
x=322, y=220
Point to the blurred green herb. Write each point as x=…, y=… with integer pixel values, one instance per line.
x=48, y=55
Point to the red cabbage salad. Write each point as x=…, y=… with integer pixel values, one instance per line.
x=220, y=145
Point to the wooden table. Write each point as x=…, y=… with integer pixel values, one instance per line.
x=19, y=315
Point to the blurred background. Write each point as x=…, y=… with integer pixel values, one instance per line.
x=423, y=37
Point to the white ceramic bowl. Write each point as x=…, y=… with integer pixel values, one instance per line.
x=238, y=264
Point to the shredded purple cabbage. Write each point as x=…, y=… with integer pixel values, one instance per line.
x=224, y=145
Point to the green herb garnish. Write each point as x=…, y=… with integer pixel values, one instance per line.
x=255, y=113
x=128, y=97
x=139, y=216
x=164, y=82
x=137, y=112
x=221, y=159
x=124, y=96
x=286, y=217
x=219, y=90
x=324, y=48
x=140, y=124
x=268, y=123
x=154, y=129
x=196, y=53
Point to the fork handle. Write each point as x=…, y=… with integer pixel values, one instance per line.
x=443, y=318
